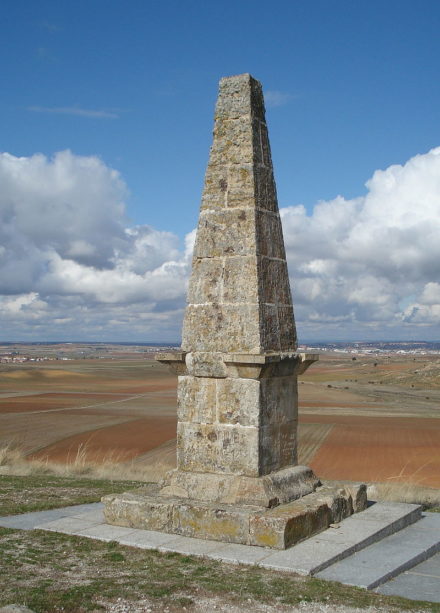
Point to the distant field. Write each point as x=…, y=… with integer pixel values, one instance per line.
x=373, y=418
x=112, y=406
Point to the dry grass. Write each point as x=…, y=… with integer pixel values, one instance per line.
x=310, y=438
x=13, y=461
x=405, y=492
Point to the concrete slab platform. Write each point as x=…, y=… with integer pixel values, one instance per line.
x=29, y=521
x=191, y=546
x=391, y=556
x=240, y=554
x=354, y=533
x=66, y=525
x=95, y=515
x=103, y=532
x=420, y=583
x=147, y=539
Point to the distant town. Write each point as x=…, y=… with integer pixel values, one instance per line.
x=22, y=352
x=375, y=347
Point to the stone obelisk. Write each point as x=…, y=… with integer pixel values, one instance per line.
x=237, y=471
x=238, y=398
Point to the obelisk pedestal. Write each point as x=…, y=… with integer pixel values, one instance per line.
x=237, y=477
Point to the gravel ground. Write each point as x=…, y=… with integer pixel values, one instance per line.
x=222, y=605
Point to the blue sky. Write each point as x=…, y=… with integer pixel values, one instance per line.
x=351, y=88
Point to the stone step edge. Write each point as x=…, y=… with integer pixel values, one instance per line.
x=409, y=518
x=412, y=561
x=421, y=557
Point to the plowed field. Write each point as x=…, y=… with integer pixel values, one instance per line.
x=379, y=449
x=369, y=419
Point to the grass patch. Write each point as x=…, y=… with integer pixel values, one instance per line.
x=40, y=493
x=54, y=572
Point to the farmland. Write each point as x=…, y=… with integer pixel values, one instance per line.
x=372, y=418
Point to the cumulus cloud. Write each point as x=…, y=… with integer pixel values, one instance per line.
x=67, y=255
x=371, y=262
x=72, y=267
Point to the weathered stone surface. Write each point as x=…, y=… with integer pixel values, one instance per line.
x=232, y=328
x=285, y=525
x=236, y=401
x=278, y=400
x=290, y=523
x=215, y=448
x=196, y=400
x=278, y=527
x=139, y=510
x=278, y=487
x=174, y=360
x=206, y=364
x=229, y=524
x=239, y=256
x=357, y=491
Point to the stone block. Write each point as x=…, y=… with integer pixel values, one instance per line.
x=277, y=446
x=196, y=399
x=240, y=280
x=358, y=493
x=270, y=328
x=285, y=525
x=205, y=364
x=241, y=178
x=175, y=360
x=263, y=146
x=139, y=510
x=217, y=449
x=238, y=402
x=226, y=524
x=239, y=96
x=216, y=186
x=278, y=400
x=221, y=328
x=274, y=278
x=206, y=281
x=278, y=527
x=276, y=488
x=288, y=341
x=233, y=143
x=241, y=189
x=269, y=235
x=265, y=189
x=226, y=232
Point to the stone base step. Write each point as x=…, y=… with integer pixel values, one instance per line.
x=278, y=528
x=391, y=556
x=353, y=534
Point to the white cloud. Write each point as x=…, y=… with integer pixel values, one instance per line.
x=67, y=255
x=275, y=98
x=75, y=110
x=364, y=258
x=71, y=267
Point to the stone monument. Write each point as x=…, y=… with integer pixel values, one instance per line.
x=237, y=478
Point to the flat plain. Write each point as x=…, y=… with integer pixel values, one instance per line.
x=372, y=418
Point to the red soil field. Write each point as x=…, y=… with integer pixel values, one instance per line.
x=44, y=402
x=379, y=449
x=123, y=441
